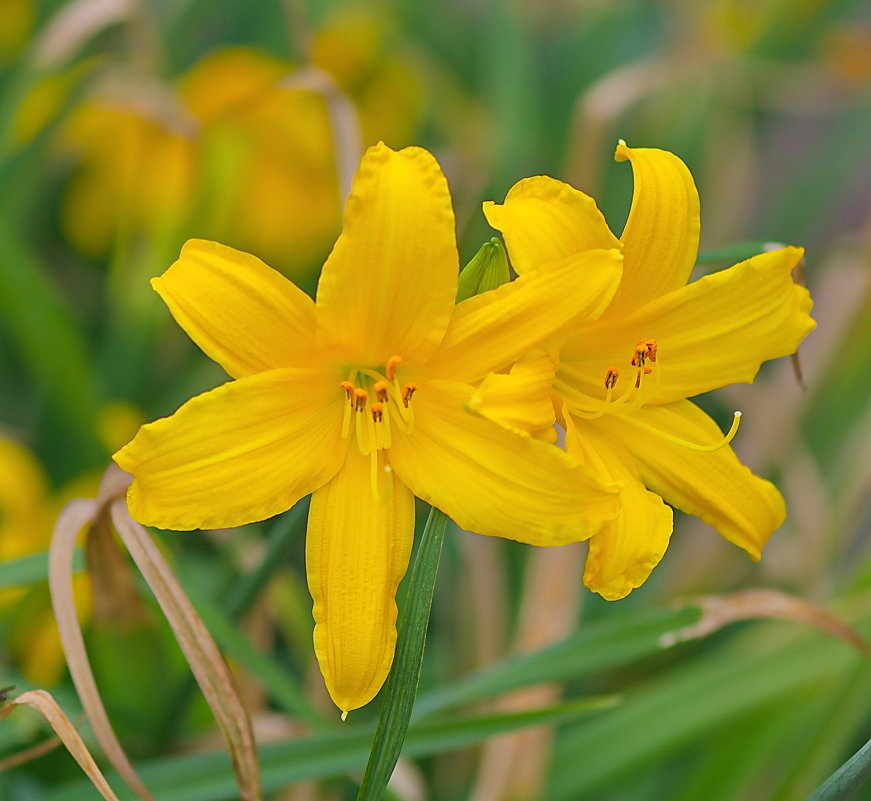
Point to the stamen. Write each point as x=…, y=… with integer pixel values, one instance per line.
x=611, y=378
x=359, y=399
x=377, y=411
x=407, y=391
x=392, y=363
x=730, y=435
x=380, y=390
x=348, y=387
x=645, y=350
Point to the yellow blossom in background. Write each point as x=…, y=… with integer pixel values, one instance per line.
x=17, y=22
x=370, y=63
x=27, y=515
x=624, y=378
x=234, y=149
x=360, y=398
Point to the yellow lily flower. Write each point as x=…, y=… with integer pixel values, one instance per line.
x=360, y=398
x=624, y=379
x=27, y=513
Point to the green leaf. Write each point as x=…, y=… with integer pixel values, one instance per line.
x=597, y=647
x=209, y=777
x=855, y=772
x=32, y=568
x=401, y=686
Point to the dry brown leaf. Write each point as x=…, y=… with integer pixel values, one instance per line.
x=72, y=519
x=721, y=610
x=206, y=662
x=42, y=702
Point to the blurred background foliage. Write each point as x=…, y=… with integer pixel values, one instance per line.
x=127, y=127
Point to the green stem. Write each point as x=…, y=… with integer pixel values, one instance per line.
x=401, y=687
x=847, y=778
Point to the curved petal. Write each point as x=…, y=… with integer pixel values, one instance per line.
x=714, y=486
x=520, y=400
x=715, y=331
x=488, y=332
x=623, y=554
x=661, y=236
x=544, y=220
x=492, y=481
x=356, y=551
x=244, y=451
x=243, y=314
x=389, y=285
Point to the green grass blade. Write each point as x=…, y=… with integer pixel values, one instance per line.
x=30, y=569
x=597, y=647
x=209, y=776
x=846, y=779
x=401, y=686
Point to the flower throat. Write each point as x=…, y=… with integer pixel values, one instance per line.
x=375, y=402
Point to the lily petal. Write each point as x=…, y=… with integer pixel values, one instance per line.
x=623, y=554
x=488, y=332
x=242, y=313
x=714, y=486
x=244, y=451
x=544, y=220
x=519, y=400
x=715, y=331
x=490, y=480
x=661, y=236
x=357, y=550
x=389, y=285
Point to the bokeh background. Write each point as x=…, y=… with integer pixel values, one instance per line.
x=128, y=127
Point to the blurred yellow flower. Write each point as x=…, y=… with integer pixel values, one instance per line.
x=234, y=151
x=27, y=514
x=360, y=398
x=18, y=17
x=230, y=153
x=623, y=379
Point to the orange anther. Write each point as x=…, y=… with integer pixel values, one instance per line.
x=611, y=377
x=645, y=350
x=359, y=401
x=377, y=411
x=348, y=387
x=392, y=363
x=380, y=391
x=407, y=391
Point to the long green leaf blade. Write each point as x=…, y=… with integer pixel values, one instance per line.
x=401, y=687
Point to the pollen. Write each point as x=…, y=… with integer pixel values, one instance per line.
x=349, y=390
x=645, y=351
x=359, y=400
x=380, y=388
x=407, y=391
x=392, y=363
x=611, y=378
x=377, y=411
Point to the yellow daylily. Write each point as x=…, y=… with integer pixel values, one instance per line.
x=624, y=379
x=27, y=514
x=365, y=398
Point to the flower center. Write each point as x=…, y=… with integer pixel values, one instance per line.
x=376, y=402
x=645, y=361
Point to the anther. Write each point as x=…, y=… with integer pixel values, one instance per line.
x=377, y=411
x=611, y=378
x=645, y=350
x=392, y=363
x=359, y=401
x=380, y=390
x=407, y=391
x=349, y=390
